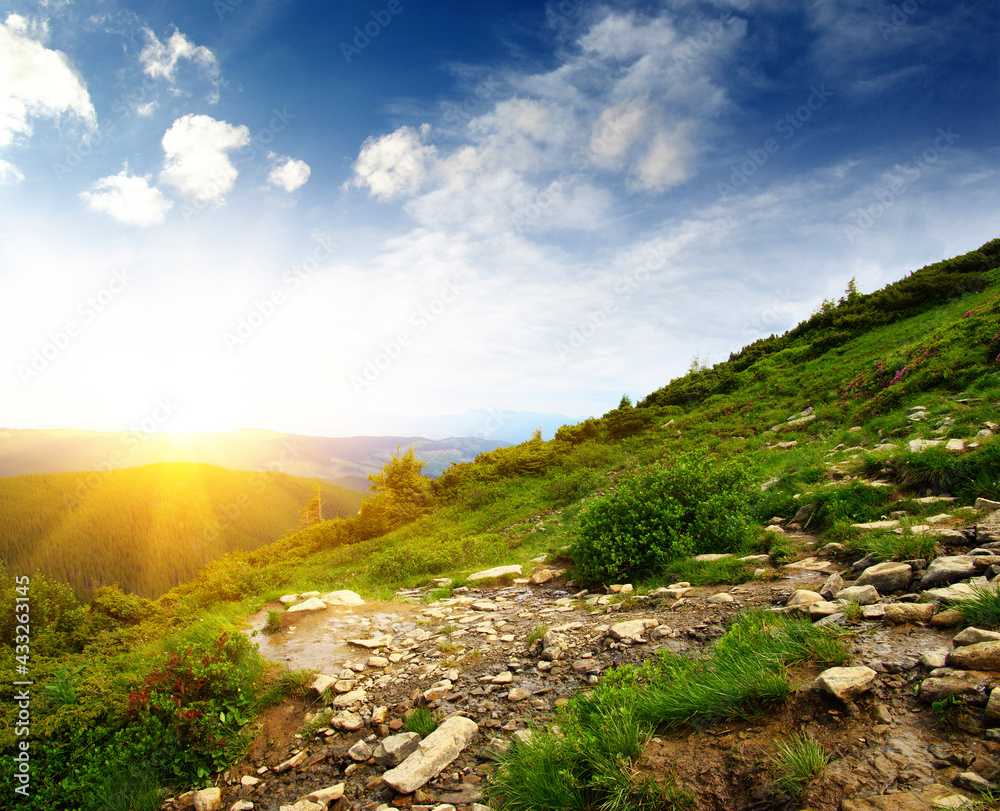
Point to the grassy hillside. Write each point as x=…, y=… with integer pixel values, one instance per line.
x=148, y=528
x=791, y=420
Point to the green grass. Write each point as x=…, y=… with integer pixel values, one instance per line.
x=273, y=623
x=982, y=610
x=421, y=721
x=584, y=760
x=707, y=573
x=798, y=762
x=536, y=633
x=887, y=545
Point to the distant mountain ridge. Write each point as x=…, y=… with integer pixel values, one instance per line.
x=345, y=461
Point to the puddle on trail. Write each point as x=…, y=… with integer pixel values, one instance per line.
x=318, y=639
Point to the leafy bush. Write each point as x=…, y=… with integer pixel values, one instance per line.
x=651, y=518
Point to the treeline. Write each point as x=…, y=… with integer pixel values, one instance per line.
x=836, y=323
x=148, y=528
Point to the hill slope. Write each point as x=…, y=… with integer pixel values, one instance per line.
x=148, y=528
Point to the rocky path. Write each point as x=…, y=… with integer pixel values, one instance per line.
x=911, y=725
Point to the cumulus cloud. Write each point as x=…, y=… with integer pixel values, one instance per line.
x=615, y=130
x=395, y=164
x=10, y=175
x=159, y=60
x=129, y=199
x=667, y=162
x=36, y=82
x=196, y=159
x=287, y=173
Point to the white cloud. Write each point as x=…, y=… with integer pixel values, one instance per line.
x=615, y=130
x=129, y=199
x=196, y=162
x=395, y=164
x=10, y=175
x=667, y=162
x=147, y=109
x=36, y=82
x=288, y=173
x=160, y=60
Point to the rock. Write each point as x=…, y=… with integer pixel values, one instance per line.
x=947, y=619
x=988, y=531
x=948, y=569
x=312, y=604
x=833, y=584
x=711, y=558
x=348, y=699
x=980, y=656
x=396, y=748
x=802, y=598
x=887, y=577
x=208, y=799
x=862, y=595
x=322, y=682
x=518, y=694
x=377, y=662
x=288, y=599
x=803, y=514
x=960, y=591
x=810, y=564
x=379, y=641
x=986, y=504
x=969, y=685
x=360, y=752
x=347, y=721
x=496, y=571
x=992, y=713
x=435, y=752
x=543, y=576
x=888, y=523
x=933, y=659
x=934, y=796
x=503, y=678
x=970, y=636
x=955, y=446
x=249, y=780
x=845, y=683
x=292, y=762
x=902, y=613
x=821, y=609
x=327, y=796
x=342, y=597
x=241, y=805
x=970, y=781
x=917, y=445
x=302, y=805
x=632, y=630
x=720, y=598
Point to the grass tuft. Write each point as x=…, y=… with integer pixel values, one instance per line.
x=421, y=721
x=798, y=762
x=273, y=623
x=981, y=610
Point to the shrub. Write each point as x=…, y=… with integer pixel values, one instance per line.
x=657, y=516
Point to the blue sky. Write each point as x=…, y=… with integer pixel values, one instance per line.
x=304, y=215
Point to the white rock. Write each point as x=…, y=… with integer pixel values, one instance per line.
x=288, y=599
x=342, y=597
x=321, y=682
x=312, y=604
x=436, y=751
x=378, y=641
x=721, y=597
x=803, y=598
x=396, y=748
x=360, y=752
x=208, y=799
x=353, y=697
x=632, y=630
x=846, y=683
x=496, y=571
x=862, y=595
x=326, y=796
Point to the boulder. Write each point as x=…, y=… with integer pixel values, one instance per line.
x=288, y=599
x=543, y=576
x=970, y=685
x=396, y=748
x=845, y=683
x=435, y=752
x=970, y=636
x=862, y=595
x=322, y=682
x=887, y=577
x=312, y=604
x=302, y=805
x=632, y=630
x=833, y=584
x=327, y=796
x=980, y=656
x=208, y=799
x=518, y=694
x=342, y=597
x=917, y=445
x=347, y=721
x=803, y=598
x=496, y=571
x=378, y=641
x=293, y=762
x=902, y=613
x=948, y=569
x=934, y=796
x=360, y=752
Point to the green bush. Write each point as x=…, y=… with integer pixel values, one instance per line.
x=856, y=501
x=688, y=507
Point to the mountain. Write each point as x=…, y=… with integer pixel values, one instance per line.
x=345, y=461
x=498, y=424
x=148, y=528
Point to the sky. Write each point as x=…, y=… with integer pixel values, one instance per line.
x=304, y=216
